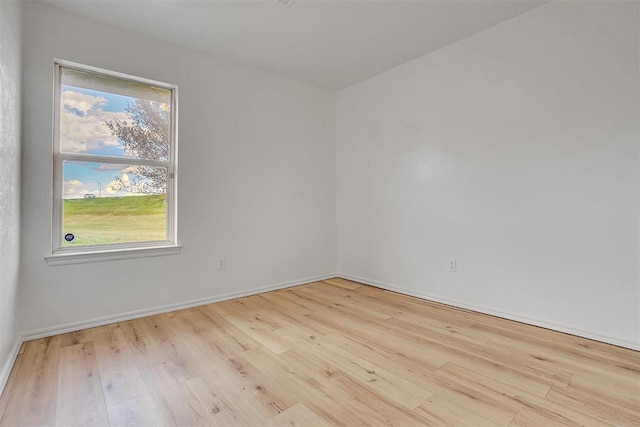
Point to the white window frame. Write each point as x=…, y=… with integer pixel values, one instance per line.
x=91, y=253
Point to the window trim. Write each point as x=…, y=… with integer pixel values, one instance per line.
x=89, y=253
x=111, y=255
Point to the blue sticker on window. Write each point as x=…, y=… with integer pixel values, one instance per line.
x=69, y=237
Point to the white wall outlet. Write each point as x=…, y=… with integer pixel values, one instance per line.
x=221, y=263
x=453, y=265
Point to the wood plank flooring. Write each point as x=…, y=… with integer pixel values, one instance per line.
x=327, y=353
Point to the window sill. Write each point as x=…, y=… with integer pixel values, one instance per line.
x=111, y=255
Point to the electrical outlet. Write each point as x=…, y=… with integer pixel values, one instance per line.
x=453, y=265
x=221, y=263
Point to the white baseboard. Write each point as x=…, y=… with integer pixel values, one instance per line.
x=121, y=317
x=617, y=341
x=8, y=364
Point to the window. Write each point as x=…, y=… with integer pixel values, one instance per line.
x=114, y=166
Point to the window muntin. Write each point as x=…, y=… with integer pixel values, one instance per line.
x=114, y=161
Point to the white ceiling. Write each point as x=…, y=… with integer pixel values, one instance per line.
x=329, y=44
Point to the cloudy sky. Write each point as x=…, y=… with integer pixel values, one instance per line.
x=83, y=113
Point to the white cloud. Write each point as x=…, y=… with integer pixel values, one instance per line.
x=82, y=125
x=74, y=189
x=108, y=167
x=110, y=188
x=136, y=187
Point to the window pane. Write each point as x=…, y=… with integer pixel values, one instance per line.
x=102, y=115
x=107, y=203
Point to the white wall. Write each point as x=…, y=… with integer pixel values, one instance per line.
x=514, y=151
x=10, y=65
x=256, y=178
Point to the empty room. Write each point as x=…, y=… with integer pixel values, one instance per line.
x=319, y=213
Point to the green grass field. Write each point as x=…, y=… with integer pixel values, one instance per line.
x=107, y=220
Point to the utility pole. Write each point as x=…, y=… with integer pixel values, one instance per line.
x=100, y=184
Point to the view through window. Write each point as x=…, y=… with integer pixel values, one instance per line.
x=114, y=160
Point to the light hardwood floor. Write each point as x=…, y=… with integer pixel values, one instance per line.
x=326, y=353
